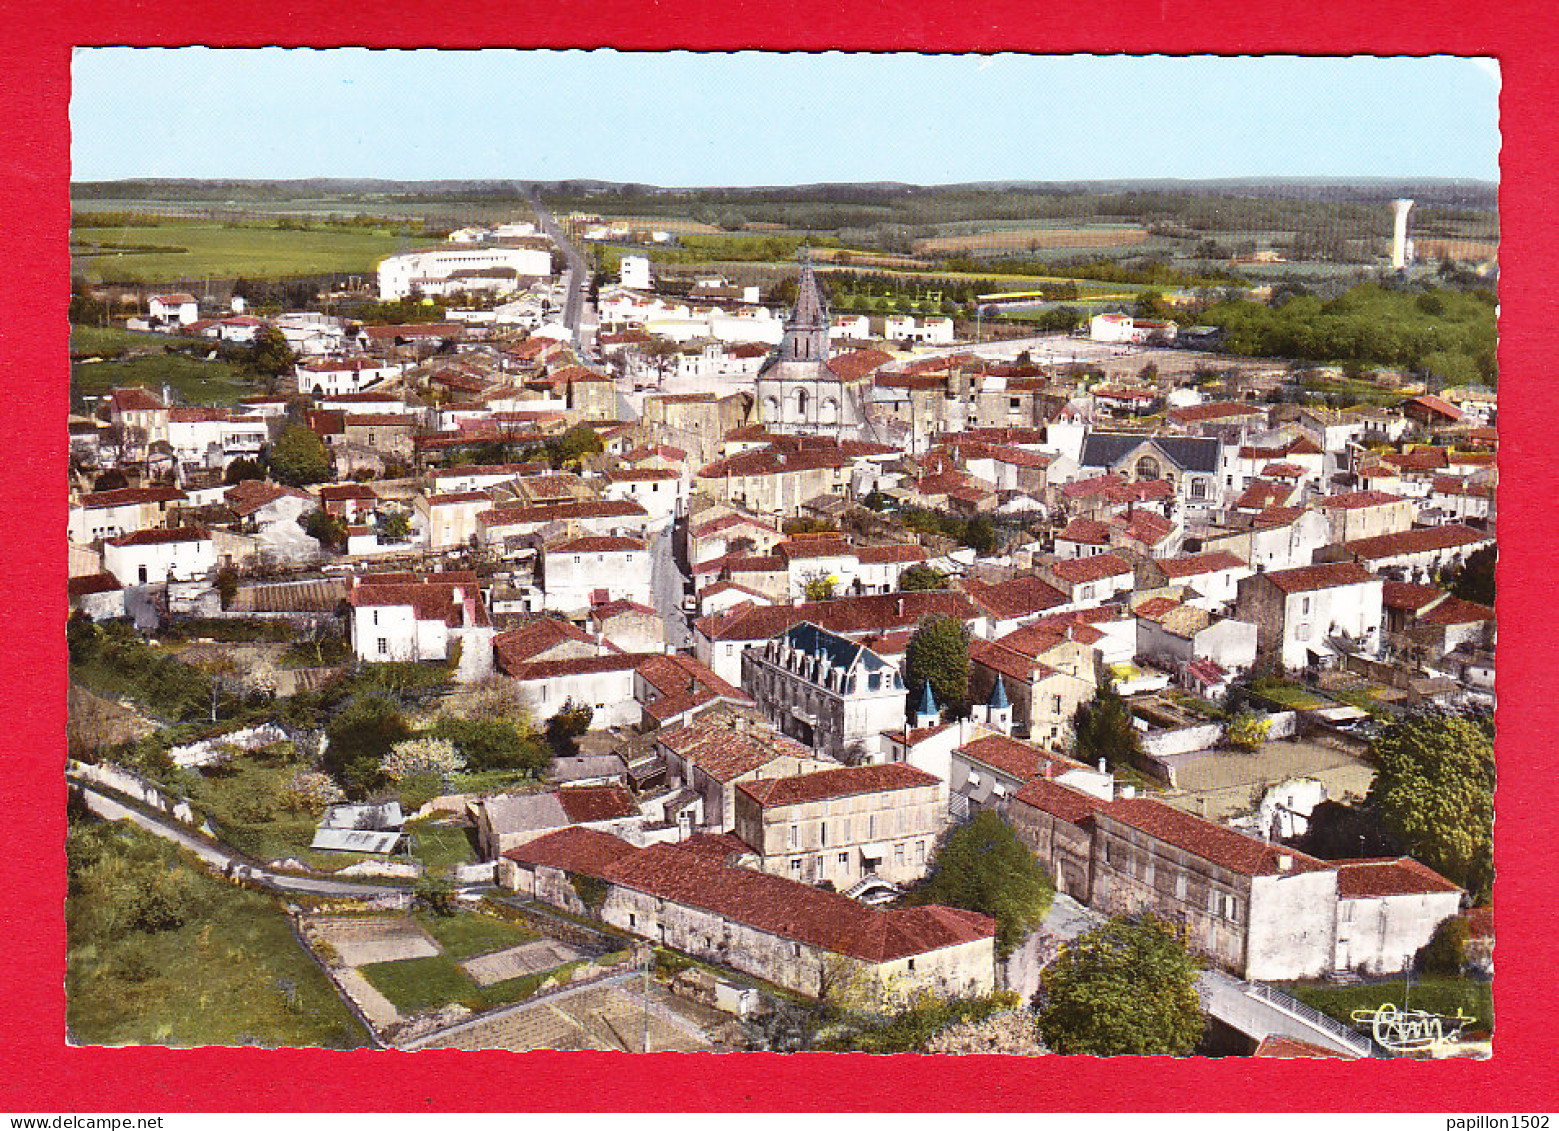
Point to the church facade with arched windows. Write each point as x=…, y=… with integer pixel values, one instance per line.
x=798, y=390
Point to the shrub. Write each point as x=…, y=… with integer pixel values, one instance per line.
x=1445, y=953
x=1247, y=731
x=421, y=757
x=309, y=791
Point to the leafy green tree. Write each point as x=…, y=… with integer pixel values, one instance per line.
x=1247, y=731
x=328, y=530
x=983, y=866
x=1444, y=955
x=980, y=535
x=81, y=637
x=1475, y=580
x=921, y=578
x=435, y=895
x=565, y=728
x=938, y=654
x=241, y=469
x=270, y=357
x=300, y=457
x=396, y=527
x=360, y=736
x=1126, y=988
x=227, y=585
x=571, y=446
x=495, y=744
x=1104, y=729
x=1434, y=790
x=820, y=588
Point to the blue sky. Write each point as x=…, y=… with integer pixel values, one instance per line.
x=750, y=118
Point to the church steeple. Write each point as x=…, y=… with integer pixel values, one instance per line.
x=806, y=332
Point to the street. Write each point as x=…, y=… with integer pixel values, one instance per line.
x=575, y=278
x=667, y=586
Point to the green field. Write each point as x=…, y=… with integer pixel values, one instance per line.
x=192, y=250
x=1436, y=995
x=197, y=381
x=161, y=953
x=416, y=984
x=109, y=341
x=467, y=934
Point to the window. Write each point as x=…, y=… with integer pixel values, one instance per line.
x=795, y=868
x=823, y=830
x=1304, y=605
x=1085, y=592
x=911, y=963
x=794, y=833
x=820, y=866
x=376, y=618
x=1301, y=631
x=1199, y=488
x=898, y=853
x=920, y=852
x=844, y=860
x=384, y=646
x=633, y=921
x=1055, y=704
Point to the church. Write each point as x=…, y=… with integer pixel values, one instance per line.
x=800, y=390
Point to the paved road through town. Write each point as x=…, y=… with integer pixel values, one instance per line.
x=666, y=587
x=576, y=278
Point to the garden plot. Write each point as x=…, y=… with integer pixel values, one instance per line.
x=362, y=942
x=519, y=961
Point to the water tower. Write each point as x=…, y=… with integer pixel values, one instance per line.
x=1400, y=209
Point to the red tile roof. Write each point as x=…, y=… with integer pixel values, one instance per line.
x=78, y=587
x=1354, y=500
x=598, y=544
x=846, y=615
x=587, y=852
x=882, y=555
x=726, y=754
x=557, y=512
x=795, y=911
x=1362, y=879
x=1195, y=564
x=848, y=781
x=159, y=536
x=1080, y=571
x=521, y=645
x=1016, y=759
x=1085, y=531
x=1062, y=802
x=1419, y=541
x=1292, y=1048
x=588, y=803
x=858, y=363
x=431, y=598
x=1213, y=410
x=1402, y=595
x=1206, y=840
x=1312, y=577
x=1454, y=610
x=1015, y=597
x=131, y=496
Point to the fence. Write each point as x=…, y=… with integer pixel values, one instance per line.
x=1339, y=1032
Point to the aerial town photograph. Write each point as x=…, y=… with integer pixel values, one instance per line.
x=857, y=574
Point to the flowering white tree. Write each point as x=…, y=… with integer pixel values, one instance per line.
x=435, y=757
x=310, y=791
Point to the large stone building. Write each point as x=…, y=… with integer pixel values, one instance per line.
x=838, y=826
x=799, y=390
x=1308, y=616
x=690, y=897
x=830, y=694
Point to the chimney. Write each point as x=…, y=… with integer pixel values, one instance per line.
x=1102, y=765
x=900, y=607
